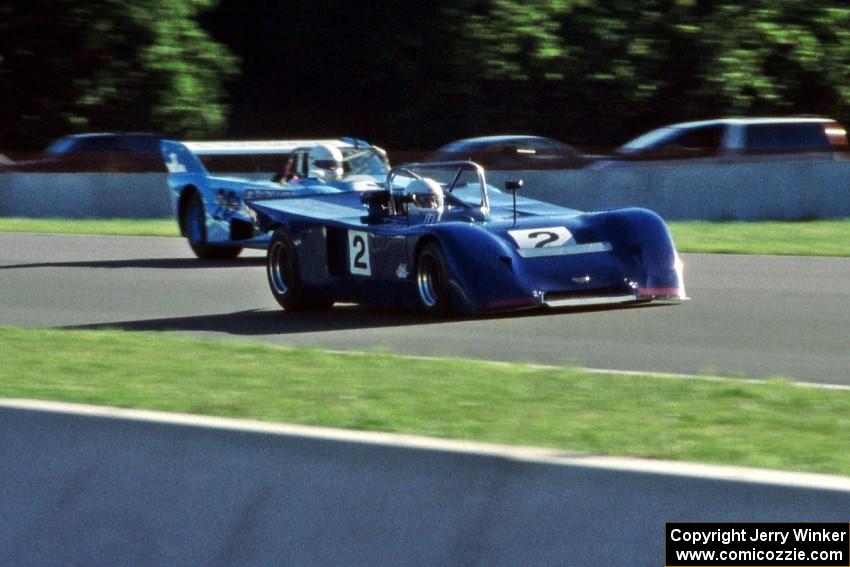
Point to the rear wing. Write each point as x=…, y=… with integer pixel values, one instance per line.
x=186, y=157
x=267, y=159
x=271, y=147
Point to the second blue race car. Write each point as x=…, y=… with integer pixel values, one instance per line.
x=438, y=237
x=211, y=209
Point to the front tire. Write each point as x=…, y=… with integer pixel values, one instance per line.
x=432, y=280
x=284, y=275
x=194, y=223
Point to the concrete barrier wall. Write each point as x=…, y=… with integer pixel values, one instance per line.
x=93, y=489
x=783, y=190
x=85, y=195
x=751, y=191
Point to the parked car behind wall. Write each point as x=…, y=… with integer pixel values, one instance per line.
x=512, y=152
x=733, y=138
x=99, y=152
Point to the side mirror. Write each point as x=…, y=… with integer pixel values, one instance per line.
x=513, y=185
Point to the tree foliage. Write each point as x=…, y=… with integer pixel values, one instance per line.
x=624, y=66
x=416, y=74
x=75, y=65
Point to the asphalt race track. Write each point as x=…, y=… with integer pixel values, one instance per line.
x=750, y=316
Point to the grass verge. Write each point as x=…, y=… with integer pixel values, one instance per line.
x=811, y=238
x=774, y=424
x=107, y=227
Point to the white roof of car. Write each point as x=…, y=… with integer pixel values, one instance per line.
x=259, y=146
x=745, y=121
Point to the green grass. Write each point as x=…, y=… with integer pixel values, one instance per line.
x=774, y=424
x=115, y=227
x=811, y=238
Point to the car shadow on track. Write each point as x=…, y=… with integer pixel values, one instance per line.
x=259, y=322
x=151, y=263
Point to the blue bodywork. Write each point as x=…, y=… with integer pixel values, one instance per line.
x=498, y=257
x=211, y=211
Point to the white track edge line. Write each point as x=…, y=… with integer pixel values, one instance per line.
x=637, y=373
x=518, y=453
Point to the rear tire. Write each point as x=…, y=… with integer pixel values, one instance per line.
x=194, y=225
x=284, y=276
x=432, y=280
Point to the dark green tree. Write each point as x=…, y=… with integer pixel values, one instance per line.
x=787, y=56
x=600, y=71
x=314, y=68
x=502, y=61
x=667, y=60
x=78, y=65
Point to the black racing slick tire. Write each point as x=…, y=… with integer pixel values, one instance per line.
x=284, y=276
x=432, y=280
x=194, y=226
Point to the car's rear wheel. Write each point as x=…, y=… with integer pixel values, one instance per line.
x=194, y=223
x=432, y=280
x=284, y=276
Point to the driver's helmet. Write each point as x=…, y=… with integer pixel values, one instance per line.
x=425, y=200
x=325, y=163
x=425, y=194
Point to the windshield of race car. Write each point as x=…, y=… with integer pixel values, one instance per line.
x=364, y=161
x=464, y=187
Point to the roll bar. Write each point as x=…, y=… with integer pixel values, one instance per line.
x=409, y=169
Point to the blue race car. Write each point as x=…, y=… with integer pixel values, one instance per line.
x=211, y=209
x=438, y=237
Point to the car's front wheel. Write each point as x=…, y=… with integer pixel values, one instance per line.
x=194, y=224
x=432, y=280
x=284, y=276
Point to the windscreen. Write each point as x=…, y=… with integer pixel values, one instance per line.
x=650, y=140
x=461, y=183
x=363, y=161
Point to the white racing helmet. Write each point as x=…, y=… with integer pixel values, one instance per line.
x=425, y=195
x=325, y=163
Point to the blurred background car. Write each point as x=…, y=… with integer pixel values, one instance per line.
x=728, y=137
x=512, y=152
x=99, y=152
